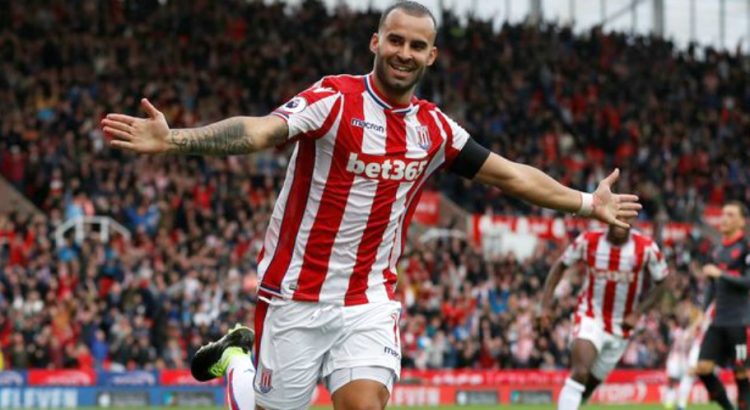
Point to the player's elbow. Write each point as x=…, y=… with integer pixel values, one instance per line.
x=265, y=132
x=557, y=269
x=501, y=173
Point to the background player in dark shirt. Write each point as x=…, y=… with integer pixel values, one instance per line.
x=727, y=338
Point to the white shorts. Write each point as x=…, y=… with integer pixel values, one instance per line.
x=609, y=347
x=677, y=366
x=680, y=364
x=302, y=343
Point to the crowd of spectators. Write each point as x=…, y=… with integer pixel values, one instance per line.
x=675, y=121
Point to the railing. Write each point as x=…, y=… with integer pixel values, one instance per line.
x=78, y=224
x=14, y=201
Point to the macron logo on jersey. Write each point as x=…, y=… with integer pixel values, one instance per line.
x=389, y=169
x=368, y=125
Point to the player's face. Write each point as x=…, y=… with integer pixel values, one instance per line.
x=731, y=220
x=618, y=234
x=403, y=48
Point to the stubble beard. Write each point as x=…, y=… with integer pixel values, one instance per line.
x=393, y=86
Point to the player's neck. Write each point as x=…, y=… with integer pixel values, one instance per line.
x=617, y=241
x=732, y=236
x=392, y=97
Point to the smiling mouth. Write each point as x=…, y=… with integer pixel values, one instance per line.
x=401, y=68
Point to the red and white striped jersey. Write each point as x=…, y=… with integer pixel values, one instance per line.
x=614, y=275
x=692, y=337
x=351, y=188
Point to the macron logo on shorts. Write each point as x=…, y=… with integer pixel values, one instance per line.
x=388, y=169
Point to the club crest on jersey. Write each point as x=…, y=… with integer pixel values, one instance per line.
x=265, y=382
x=423, y=138
x=295, y=105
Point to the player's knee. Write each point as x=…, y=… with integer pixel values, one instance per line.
x=740, y=373
x=361, y=395
x=364, y=406
x=590, y=387
x=704, y=368
x=362, y=402
x=580, y=374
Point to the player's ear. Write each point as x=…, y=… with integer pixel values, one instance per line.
x=433, y=56
x=374, y=41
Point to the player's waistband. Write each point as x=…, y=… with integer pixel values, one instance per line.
x=269, y=292
x=274, y=296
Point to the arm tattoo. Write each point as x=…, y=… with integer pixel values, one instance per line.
x=279, y=135
x=227, y=137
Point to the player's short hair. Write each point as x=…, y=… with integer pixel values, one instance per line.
x=409, y=7
x=741, y=206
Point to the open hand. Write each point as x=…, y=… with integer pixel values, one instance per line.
x=711, y=271
x=611, y=208
x=142, y=135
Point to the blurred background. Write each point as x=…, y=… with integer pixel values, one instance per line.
x=721, y=23
x=112, y=264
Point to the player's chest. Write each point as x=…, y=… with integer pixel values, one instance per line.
x=731, y=258
x=625, y=257
x=614, y=264
x=383, y=146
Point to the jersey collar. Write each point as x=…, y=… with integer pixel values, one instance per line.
x=382, y=100
x=732, y=239
x=625, y=242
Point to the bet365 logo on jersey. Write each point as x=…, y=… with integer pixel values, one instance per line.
x=389, y=169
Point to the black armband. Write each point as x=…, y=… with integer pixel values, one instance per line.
x=471, y=158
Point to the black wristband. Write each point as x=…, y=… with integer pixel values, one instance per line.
x=471, y=158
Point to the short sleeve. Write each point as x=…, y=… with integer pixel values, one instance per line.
x=657, y=264
x=575, y=251
x=457, y=137
x=310, y=112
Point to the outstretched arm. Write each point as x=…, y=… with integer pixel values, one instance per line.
x=538, y=188
x=152, y=135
